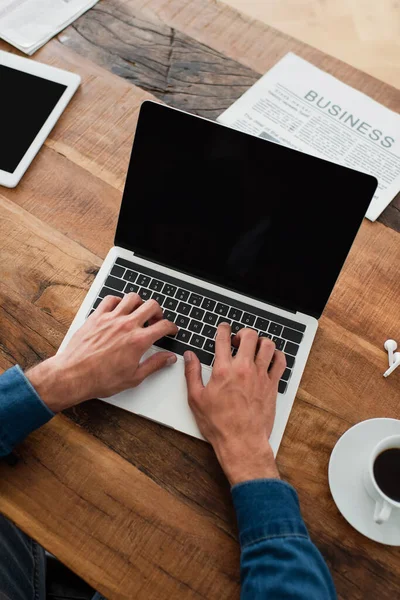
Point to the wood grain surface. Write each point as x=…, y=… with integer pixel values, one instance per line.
x=136, y=509
x=114, y=523
x=185, y=72
x=363, y=33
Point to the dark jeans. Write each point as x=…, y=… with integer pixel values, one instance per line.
x=23, y=566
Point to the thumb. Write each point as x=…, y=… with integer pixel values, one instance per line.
x=193, y=374
x=154, y=363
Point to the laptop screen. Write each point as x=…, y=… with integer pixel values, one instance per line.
x=233, y=209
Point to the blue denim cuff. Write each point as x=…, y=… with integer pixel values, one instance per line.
x=21, y=409
x=267, y=508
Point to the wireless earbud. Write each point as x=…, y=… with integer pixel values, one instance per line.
x=390, y=346
x=395, y=364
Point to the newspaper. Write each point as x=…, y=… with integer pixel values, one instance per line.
x=302, y=107
x=28, y=24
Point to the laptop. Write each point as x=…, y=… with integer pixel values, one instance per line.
x=218, y=225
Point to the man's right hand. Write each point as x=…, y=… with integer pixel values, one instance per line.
x=235, y=412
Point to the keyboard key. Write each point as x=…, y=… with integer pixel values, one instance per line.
x=292, y=335
x=210, y=318
x=262, y=324
x=183, y=308
x=156, y=285
x=275, y=329
x=223, y=320
x=158, y=298
x=197, y=340
x=173, y=345
x=289, y=361
x=279, y=342
x=182, y=321
x=108, y=292
x=131, y=287
x=182, y=295
x=282, y=387
x=267, y=335
x=195, y=299
x=144, y=294
x=209, y=331
x=130, y=275
x=143, y=280
x=117, y=271
x=169, y=289
x=195, y=326
x=114, y=283
x=210, y=346
x=236, y=327
x=291, y=348
x=286, y=375
x=222, y=309
x=170, y=303
x=208, y=304
x=95, y=305
x=248, y=319
x=235, y=314
x=170, y=315
x=183, y=336
x=91, y=312
x=197, y=313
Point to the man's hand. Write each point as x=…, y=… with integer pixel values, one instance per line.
x=236, y=410
x=103, y=356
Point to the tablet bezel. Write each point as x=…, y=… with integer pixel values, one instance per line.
x=71, y=80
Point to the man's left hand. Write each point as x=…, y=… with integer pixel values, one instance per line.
x=103, y=356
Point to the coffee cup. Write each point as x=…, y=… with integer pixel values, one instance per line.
x=382, y=478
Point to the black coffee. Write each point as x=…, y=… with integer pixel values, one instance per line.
x=387, y=472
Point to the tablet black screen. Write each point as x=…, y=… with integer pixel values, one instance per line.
x=26, y=102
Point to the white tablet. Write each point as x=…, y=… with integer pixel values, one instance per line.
x=32, y=98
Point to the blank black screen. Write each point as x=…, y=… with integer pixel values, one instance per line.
x=237, y=210
x=26, y=101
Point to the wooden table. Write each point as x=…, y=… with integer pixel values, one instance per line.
x=136, y=509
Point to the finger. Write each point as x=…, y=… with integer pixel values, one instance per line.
x=266, y=349
x=248, y=340
x=193, y=375
x=159, y=330
x=223, y=343
x=129, y=303
x=156, y=318
x=278, y=366
x=107, y=304
x=154, y=363
x=148, y=311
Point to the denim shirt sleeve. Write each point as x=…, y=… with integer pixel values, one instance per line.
x=21, y=409
x=278, y=559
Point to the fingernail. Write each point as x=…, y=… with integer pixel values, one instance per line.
x=187, y=357
x=171, y=359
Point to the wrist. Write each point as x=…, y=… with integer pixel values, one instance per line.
x=53, y=385
x=240, y=465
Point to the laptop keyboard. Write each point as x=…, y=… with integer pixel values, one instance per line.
x=197, y=312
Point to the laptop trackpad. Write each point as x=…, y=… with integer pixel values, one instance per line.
x=162, y=397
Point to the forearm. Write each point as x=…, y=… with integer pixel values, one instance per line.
x=21, y=409
x=114, y=336
x=278, y=559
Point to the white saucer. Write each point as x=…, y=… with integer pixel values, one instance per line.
x=346, y=467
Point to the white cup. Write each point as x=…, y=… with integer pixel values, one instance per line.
x=384, y=506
